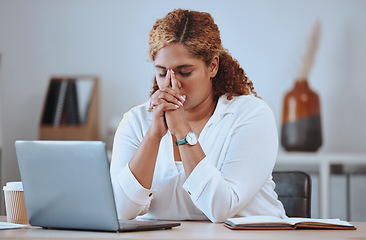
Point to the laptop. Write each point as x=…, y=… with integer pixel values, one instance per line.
x=67, y=185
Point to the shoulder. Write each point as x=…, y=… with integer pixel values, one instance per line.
x=244, y=105
x=250, y=101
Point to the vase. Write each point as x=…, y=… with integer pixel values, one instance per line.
x=301, y=119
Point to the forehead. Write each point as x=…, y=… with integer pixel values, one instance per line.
x=175, y=54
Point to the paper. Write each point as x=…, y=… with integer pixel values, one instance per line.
x=7, y=225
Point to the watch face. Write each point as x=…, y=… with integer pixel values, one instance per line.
x=191, y=138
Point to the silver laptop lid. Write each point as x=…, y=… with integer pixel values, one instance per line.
x=67, y=184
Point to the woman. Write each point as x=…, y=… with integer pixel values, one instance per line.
x=205, y=144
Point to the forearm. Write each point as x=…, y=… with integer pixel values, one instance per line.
x=131, y=199
x=191, y=156
x=237, y=167
x=130, y=196
x=220, y=195
x=142, y=164
x=211, y=193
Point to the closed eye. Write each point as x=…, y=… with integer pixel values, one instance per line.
x=181, y=73
x=185, y=74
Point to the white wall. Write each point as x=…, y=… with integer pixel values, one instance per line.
x=1, y=118
x=40, y=38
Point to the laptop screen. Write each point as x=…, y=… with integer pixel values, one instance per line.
x=67, y=184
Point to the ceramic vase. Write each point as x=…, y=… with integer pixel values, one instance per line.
x=301, y=119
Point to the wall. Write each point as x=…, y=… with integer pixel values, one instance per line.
x=41, y=38
x=1, y=118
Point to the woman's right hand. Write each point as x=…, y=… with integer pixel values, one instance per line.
x=164, y=99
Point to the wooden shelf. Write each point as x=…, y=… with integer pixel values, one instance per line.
x=88, y=129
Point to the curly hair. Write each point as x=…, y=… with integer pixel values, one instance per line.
x=198, y=32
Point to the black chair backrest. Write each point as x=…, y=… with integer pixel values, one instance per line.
x=294, y=191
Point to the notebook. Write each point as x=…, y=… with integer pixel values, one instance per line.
x=67, y=185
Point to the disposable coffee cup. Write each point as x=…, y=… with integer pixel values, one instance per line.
x=16, y=211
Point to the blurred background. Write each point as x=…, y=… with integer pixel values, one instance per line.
x=109, y=39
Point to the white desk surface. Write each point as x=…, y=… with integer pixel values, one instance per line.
x=189, y=230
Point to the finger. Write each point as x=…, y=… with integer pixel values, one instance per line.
x=167, y=79
x=169, y=98
x=160, y=102
x=165, y=107
x=174, y=81
x=163, y=93
x=155, y=104
x=155, y=97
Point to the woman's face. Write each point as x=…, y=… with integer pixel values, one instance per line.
x=193, y=76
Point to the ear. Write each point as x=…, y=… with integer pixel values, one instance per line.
x=214, y=66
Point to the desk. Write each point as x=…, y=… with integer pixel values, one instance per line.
x=191, y=230
x=321, y=163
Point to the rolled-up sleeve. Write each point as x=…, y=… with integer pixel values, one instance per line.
x=131, y=198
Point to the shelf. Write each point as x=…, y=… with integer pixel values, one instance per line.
x=323, y=164
x=54, y=126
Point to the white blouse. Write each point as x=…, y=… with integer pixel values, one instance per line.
x=240, y=142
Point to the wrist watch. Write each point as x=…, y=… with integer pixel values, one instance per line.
x=191, y=139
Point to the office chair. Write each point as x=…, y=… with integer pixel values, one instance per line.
x=294, y=191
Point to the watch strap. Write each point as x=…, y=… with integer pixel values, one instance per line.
x=191, y=139
x=181, y=142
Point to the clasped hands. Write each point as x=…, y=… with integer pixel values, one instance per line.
x=168, y=111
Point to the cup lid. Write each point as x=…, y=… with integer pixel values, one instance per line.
x=13, y=186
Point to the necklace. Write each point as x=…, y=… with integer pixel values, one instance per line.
x=205, y=118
